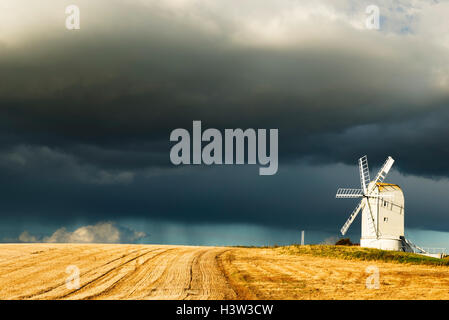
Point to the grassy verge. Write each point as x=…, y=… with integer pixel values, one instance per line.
x=366, y=254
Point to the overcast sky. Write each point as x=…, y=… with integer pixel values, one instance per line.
x=86, y=115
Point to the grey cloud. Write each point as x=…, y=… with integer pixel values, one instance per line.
x=102, y=232
x=27, y=237
x=57, y=165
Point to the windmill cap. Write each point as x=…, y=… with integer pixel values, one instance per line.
x=387, y=186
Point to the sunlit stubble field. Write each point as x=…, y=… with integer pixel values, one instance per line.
x=108, y=271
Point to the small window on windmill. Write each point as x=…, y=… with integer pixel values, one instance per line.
x=385, y=219
x=385, y=203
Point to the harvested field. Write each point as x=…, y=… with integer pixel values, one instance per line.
x=109, y=271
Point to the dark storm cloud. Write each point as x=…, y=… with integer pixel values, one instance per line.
x=110, y=94
x=419, y=145
x=86, y=115
x=192, y=195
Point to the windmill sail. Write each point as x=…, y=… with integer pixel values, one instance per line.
x=364, y=173
x=382, y=174
x=371, y=221
x=352, y=217
x=349, y=193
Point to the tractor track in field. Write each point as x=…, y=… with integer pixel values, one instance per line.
x=112, y=271
x=62, y=284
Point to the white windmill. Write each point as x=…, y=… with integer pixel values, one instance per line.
x=382, y=207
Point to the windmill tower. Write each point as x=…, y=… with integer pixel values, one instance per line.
x=382, y=207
